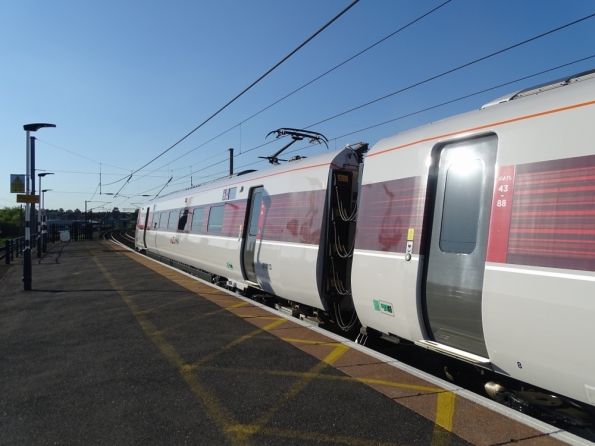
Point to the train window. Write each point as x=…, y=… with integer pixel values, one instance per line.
x=155, y=220
x=232, y=193
x=253, y=228
x=198, y=217
x=173, y=220
x=460, y=214
x=215, y=223
x=163, y=220
x=183, y=219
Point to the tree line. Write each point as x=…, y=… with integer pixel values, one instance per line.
x=12, y=219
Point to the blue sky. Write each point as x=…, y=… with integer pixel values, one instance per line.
x=124, y=80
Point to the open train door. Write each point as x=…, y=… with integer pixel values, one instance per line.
x=457, y=250
x=141, y=228
x=146, y=227
x=252, y=234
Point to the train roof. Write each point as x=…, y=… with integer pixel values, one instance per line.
x=540, y=88
x=577, y=89
x=322, y=159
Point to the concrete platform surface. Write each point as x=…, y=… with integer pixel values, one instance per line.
x=111, y=347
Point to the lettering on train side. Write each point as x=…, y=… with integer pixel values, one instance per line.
x=266, y=266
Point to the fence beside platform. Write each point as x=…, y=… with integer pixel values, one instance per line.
x=12, y=249
x=77, y=232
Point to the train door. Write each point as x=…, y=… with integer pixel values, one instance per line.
x=147, y=221
x=340, y=234
x=252, y=234
x=457, y=251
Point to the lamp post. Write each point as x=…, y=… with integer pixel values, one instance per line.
x=44, y=232
x=40, y=231
x=29, y=190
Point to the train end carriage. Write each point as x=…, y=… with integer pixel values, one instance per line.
x=273, y=231
x=476, y=237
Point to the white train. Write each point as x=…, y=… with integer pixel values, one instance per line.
x=473, y=236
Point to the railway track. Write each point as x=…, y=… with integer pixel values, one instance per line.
x=120, y=236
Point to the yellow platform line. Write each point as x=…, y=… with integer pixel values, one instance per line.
x=310, y=342
x=445, y=410
x=192, y=319
x=158, y=307
x=215, y=410
x=235, y=342
x=248, y=431
x=446, y=400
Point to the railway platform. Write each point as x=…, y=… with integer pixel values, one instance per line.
x=111, y=347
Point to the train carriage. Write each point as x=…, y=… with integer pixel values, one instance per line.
x=267, y=230
x=480, y=231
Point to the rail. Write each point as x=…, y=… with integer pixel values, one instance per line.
x=121, y=236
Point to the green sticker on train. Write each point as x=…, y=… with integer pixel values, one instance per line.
x=383, y=307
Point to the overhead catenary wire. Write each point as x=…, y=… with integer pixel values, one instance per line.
x=420, y=111
x=402, y=28
x=460, y=67
x=250, y=86
x=442, y=104
x=433, y=77
x=78, y=154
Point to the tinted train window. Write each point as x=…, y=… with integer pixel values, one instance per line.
x=253, y=228
x=460, y=214
x=216, y=219
x=155, y=222
x=183, y=219
x=163, y=220
x=173, y=220
x=198, y=217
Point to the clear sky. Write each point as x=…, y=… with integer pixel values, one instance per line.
x=124, y=80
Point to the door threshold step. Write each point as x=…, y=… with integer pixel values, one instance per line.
x=477, y=360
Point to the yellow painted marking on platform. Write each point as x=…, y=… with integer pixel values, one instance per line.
x=338, y=351
x=235, y=342
x=238, y=305
x=192, y=319
x=251, y=316
x=216, y=411
x=402, y=385
x=217, y=292
x=296, y=388
x=306, y=341
x=445, y=404
x=445, y=410
x=158, y=307
x=327, y=377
